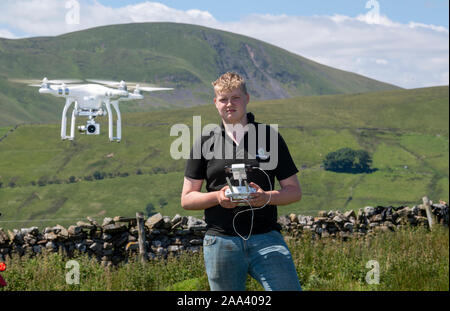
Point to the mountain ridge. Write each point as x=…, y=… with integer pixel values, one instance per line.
x=186, y=57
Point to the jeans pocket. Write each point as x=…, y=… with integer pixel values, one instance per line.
x=209, y=240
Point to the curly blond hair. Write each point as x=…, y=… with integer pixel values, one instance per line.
x=228, y=82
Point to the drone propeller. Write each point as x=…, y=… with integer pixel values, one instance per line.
x=131, y=85
x=38, y=83
x=139, y=88
x=112, y=83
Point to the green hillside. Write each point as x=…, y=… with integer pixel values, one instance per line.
x=182, y=56
x=406, y=132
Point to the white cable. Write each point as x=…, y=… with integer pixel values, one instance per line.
x=253, y=209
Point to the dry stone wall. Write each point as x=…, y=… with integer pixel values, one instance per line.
x=116, y=239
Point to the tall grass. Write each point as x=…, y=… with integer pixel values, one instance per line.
x=409, y=259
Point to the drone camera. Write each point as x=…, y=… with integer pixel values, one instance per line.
x=91, y=128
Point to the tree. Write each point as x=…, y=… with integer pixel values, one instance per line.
x=348, y=160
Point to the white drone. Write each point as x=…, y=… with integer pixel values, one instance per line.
x=89, y=100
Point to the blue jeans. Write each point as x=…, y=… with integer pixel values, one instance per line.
x=265, y=257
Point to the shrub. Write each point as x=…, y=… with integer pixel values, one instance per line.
x=348, y=160
x=98, y=175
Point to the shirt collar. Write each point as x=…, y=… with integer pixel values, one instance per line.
x=250, y=119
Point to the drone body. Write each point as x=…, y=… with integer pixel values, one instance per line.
x=92, y=100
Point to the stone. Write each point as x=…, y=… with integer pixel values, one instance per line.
x=107, y=221
x=161, y=251
x=124, y=219
x=106, y=237
x=194, y=249
x=349, y=214
x=177, y=218
x=114, y=228
x=157, y=243
x=369, y=211
x=121, y=240
x=422, y=221
x=29, y=239
x=50, y=245
x=85, y=225
x=37, y=249
x=338, y=219
x=74, y=230
x=348, y=226
x=376, y=218
x=196, y=224
x=167, y=222
x=107, y=252
x=61, y=232
x=107, y=245
x=31, y=231
x=196, y=242
x=173, y=248
x=293, y=218
x=51, y=236
x=318, y=220
x=155, y=221
x=322, y=214
x=183, y=232
x=4, y=238
x=93, y=222
x=96, y=247
x=81, y=247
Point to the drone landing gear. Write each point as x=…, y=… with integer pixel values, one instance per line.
x=64, y=121
x=115, y=104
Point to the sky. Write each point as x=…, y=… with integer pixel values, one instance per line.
x=403, y=42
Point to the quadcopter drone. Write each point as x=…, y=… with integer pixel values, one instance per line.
x=91, y=100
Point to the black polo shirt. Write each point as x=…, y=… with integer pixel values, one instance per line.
x=212, y=169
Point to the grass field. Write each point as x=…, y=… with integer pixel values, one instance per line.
x=411, y=259
x=406, y=133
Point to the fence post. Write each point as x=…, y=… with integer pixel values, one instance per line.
x=141, y=235
x=427, y=204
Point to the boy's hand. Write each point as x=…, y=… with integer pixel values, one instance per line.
x=223, y=200
x=259, y=198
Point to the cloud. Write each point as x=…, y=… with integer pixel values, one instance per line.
x=409, y=55
x=6, y=34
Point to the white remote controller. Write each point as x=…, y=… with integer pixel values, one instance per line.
x=239, y=194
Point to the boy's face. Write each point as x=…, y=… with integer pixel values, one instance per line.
x=232, y=106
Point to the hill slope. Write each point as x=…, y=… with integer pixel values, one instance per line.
x=183, y=56
x=405, y=131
